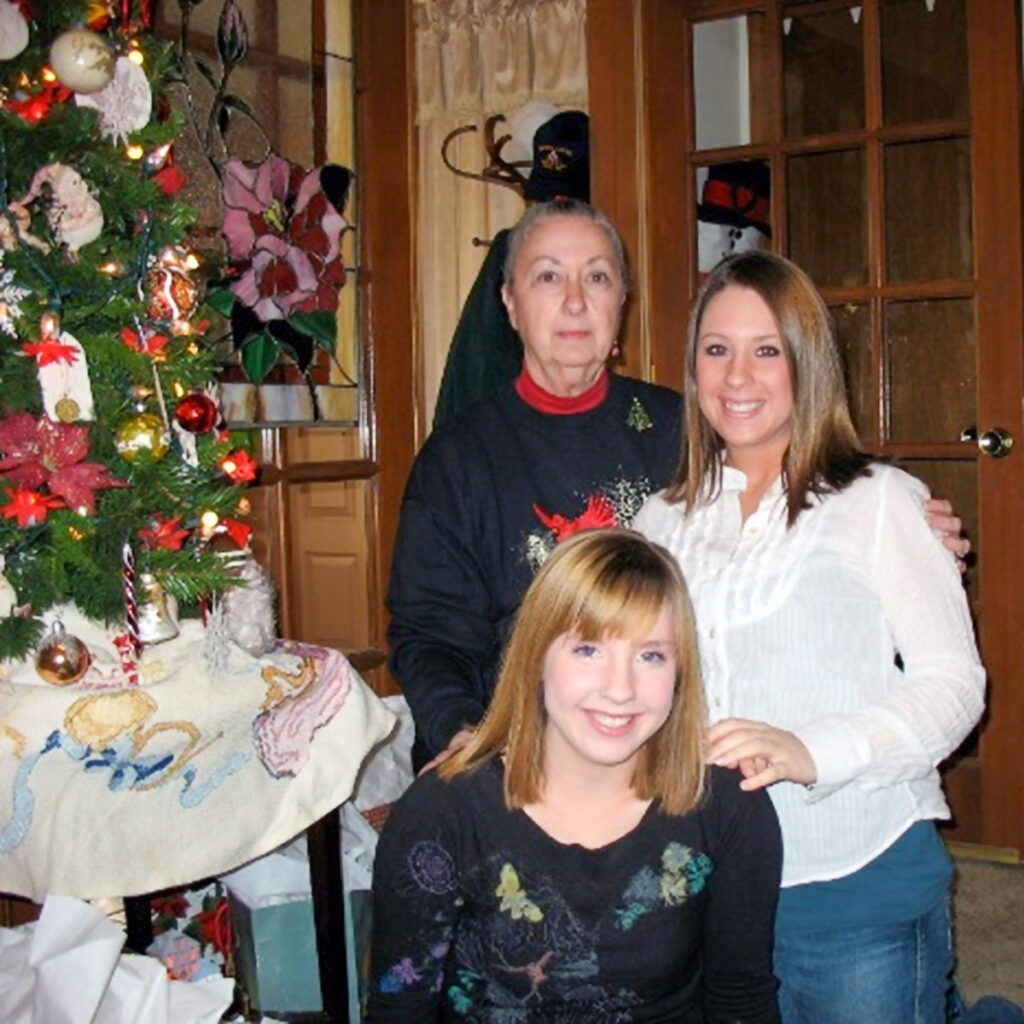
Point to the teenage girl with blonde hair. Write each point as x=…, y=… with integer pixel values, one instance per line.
x=576, y=861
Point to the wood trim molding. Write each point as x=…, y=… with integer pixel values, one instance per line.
x=384, y=139
x=614, y=149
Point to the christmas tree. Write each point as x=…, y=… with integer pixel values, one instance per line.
x=113, y=460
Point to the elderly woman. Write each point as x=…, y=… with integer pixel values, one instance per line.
x=568, y=446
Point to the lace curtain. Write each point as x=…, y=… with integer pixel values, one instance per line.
x=475, y=58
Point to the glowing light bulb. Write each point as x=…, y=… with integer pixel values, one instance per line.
x=134, y=151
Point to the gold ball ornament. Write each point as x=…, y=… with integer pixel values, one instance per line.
x=143, y=437
x=82, y=60
x=62, y=659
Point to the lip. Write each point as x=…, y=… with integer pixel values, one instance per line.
x=742, y=409
x=608, y=724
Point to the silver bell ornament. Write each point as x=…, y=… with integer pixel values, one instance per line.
x=158, y=611
x=62, y=659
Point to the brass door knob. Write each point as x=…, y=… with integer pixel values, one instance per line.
x=995, y=442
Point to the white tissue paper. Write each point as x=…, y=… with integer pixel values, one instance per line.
x=68, y=968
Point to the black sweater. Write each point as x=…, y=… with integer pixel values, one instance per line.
x=481, y=916
x=486, y=500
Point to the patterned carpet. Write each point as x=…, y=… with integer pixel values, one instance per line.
x=988, y=907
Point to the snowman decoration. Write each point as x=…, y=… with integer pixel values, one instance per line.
x=733, y=213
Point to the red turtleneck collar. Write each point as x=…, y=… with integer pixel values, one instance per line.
x=543, y=401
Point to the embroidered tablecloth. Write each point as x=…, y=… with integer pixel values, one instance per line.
x=108, y=789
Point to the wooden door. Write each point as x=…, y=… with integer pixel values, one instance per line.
x=890, y=132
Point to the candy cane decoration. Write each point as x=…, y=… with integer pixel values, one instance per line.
x=131, y=604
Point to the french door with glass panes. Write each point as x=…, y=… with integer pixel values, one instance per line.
x=878, y=145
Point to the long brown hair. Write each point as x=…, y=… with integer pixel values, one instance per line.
x=824, y=454
x=596, y=584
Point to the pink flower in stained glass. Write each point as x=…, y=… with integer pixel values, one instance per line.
x=284, y=236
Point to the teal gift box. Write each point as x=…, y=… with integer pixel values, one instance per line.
x=275, y=955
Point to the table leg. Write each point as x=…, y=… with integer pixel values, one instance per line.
x=325, y=866
x=138, y=920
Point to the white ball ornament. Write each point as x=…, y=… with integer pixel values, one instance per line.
x=82, y=60
x=13, y=30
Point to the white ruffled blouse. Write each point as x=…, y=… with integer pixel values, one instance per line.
x=800, y=628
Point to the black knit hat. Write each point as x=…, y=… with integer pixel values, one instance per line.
x=561, y=159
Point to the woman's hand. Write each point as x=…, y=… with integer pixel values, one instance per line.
x=457, y=742
x=762, y=753
x=939, y=515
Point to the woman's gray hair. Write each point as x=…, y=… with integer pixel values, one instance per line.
x=564, y=208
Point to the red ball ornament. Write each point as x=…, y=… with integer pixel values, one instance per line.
x=197, y=413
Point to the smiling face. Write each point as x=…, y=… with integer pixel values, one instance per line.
x=744, y=383
x=605, y=698
x=565, y=300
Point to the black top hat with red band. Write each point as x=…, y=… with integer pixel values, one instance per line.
x=561, y=159
x=737, y=194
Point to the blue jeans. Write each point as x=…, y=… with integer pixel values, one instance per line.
x=885, y=974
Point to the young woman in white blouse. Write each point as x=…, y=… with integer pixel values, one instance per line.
x=837, y=649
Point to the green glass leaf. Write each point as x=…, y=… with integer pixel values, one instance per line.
x=321, y=327
x=221, y=299
x=258, y=355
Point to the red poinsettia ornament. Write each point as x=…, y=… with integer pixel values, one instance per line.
x=37, y=452
x=29, y=507
x=151, y=342
x=49, y=351
x=240, y=466
x=164, y=533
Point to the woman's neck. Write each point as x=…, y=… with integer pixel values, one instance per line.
x=540, y=398
x=761, y=472
x=590, y=806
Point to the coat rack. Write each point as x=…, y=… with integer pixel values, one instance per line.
x=498, y=171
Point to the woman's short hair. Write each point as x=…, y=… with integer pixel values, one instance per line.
x=598, y=583
x=824, y=453
x=563, y=208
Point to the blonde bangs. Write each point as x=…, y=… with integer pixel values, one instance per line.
x=599, y=583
